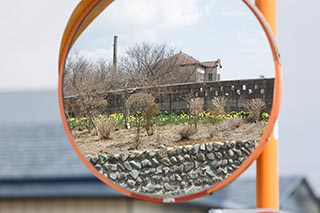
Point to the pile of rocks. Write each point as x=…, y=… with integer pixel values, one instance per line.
x=174, y=171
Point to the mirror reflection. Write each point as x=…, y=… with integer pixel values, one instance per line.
x=168, y=98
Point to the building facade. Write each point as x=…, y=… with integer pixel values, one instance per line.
x=199, y=71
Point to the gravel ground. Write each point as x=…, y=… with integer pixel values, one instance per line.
x=164, y=136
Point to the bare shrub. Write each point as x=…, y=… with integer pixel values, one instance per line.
x=230, y=124
x=139, y=102
x=151, y=111
x=255, y=107
x=213, y=131
x=186, y=132
x=144, y=107
x=88, y=105
x=196, y=107
x=218, y=104
x=103, y=127
x=213, y=128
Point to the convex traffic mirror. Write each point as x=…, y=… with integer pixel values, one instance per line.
x=168, y=100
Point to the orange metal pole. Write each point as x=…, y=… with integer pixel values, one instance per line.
x=267, y=163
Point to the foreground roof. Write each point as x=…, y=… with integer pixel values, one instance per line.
x=39, y=150
x=240, y=194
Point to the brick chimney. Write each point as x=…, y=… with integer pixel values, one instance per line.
x=115, y=55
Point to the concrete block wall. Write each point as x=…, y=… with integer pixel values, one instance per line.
x=174, y=98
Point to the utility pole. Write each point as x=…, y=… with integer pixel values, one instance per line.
x=268, y=163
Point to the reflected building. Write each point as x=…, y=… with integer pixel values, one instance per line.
x=205, y=71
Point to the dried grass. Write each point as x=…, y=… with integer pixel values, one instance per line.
x=218, y=105
x=255, y=107
x=144, y=106
x=186, y=132
x=230, y=124
x=196, y=106
x=103, y=127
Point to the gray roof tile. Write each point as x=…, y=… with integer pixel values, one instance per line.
x=37, y=151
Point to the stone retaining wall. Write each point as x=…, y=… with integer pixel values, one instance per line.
x=174, y=171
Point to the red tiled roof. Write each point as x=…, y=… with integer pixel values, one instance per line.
x=184, y=59
x=209, y=63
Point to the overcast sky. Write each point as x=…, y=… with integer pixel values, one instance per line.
x=29, y=42
x=29, y=45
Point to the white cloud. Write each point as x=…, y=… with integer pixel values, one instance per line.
x=142, y=20
x=144, y=35
x=165, y=14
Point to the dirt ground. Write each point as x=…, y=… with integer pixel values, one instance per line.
x=165, y=136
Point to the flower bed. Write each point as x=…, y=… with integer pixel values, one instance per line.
x=165, y=118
